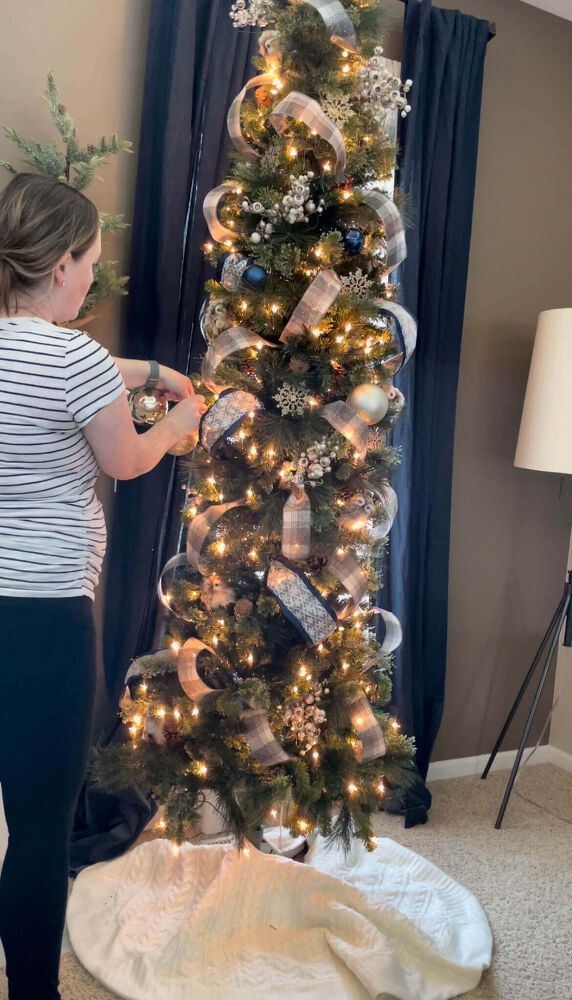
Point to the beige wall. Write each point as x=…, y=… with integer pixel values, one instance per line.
x=96, y=49
x=510, y=528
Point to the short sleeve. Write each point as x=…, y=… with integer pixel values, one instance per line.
x=93, y=380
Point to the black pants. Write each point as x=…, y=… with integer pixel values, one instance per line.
x=47, y=688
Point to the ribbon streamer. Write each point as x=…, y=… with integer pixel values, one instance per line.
x=367, y=727
x=212, y=200
x=236, y=338
x=233, y=117
x=189, y=679
x=199, y=528
x=342, y=31
x=306, y=109
x=342, y=418
x=388, y=498
x=390, y=633
x=297, y=525
x=389, y=215
x=225, y=415
x=313, y=305
x=263, y=744
x=300, y=602
x=352, y=577
x=173, y=563
x=406, y=333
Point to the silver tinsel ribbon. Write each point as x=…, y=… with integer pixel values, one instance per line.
x=236, y=338
x=296, y=525
x=212, y=200
x=264, y=746
x=199, y=528
x=406, y=330
x=300, y=602
x=367, y=727
x=306, y=109
x=346, y=421
x=334, y=16
x=225, y=415
x=313, y=305
x=233, y=117
x=389, y=215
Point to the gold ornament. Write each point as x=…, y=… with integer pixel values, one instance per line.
x=147, y=405
x=185, y=445
x=370, y=401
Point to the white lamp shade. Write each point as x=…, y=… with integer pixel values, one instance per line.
x=545, y=439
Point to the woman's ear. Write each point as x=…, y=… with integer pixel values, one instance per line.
x=60, y=269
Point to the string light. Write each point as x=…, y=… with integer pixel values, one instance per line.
x=316, y=332
x=220, y=547
x=250, y=659
x=346, y=68
x=161, y=713
x=209, y=247
x=195, y=712
x=303, y=672
x=238, y=190
x=274, y=308
x=273, y=813
x=292, y=152
x=339, y=338
x=395, y=724
x=211, y=480
x=352, y=788
x=250, y=493
x=192, y=511
x=347, y=195
x=143, y=687
x=202, y=769
x=380, y=788
x=348, y=327
x=177, y=714
x=345, y=666
x=327, y=166
x=162, y=824
x=315, y=756
x=243, y=306
x=302, y=825
x=175, y=646
x=252, y=451
x=253, y=554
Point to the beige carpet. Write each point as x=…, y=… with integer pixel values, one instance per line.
x=521, y=874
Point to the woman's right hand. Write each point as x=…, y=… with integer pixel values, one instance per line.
x=187, y=414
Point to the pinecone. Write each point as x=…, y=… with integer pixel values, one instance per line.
x=243, y=608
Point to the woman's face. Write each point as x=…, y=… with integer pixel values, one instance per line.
x=73, y=280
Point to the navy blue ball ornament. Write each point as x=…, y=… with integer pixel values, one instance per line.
x=354, y=241
x=254, y=277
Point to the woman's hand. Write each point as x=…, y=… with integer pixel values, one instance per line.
x=174, y=385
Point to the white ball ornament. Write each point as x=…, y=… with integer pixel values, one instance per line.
x=370, y=402
x=255, y=237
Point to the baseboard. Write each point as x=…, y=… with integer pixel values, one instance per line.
x=460, y=767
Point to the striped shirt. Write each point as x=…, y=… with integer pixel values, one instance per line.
x=52, y=528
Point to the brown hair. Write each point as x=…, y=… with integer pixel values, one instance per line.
x=41, y=219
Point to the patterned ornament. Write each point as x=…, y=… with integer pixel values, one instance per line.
x=250, y=13
x=292, y=400
x=356, y=284
x=370, y=401
x=354, y=241
x=304, y=718
x=381, y=89
x=147, y=405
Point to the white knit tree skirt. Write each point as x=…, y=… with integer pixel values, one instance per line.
x=208, y=922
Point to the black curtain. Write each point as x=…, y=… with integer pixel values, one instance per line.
x=196, y=64
x=444, y=54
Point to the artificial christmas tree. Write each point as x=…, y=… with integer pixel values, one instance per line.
x=272, y=690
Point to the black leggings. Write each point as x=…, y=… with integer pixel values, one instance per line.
x=47, y=688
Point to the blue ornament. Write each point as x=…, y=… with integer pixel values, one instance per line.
x=354, y=241
x=254, y=277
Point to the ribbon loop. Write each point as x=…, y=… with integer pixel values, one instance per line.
x=236, y=338
x=406, y=333
x=313, y=305
x=199, y=528
x=212, y=200
x=225, y=415
x=305, y=109
x=296, y=525
x=388, y=213
x=191, y=683
x=233, y=117
x=350, y=574
x=334, y=16
x=346, y=421
x=367, y=727
x=390, y=633
x=263, y=745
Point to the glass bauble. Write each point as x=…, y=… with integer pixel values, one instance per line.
x=147, y=405
x=370, y=401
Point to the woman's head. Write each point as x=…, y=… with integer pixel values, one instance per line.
x=49, y=241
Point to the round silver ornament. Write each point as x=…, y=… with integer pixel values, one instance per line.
x=369, y=401
x=147, y=406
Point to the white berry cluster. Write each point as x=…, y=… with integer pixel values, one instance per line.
x=291, y=399
x=304, y=718
x=381, y=89
x=297, y=206
x=314, y=463
x=254, y=13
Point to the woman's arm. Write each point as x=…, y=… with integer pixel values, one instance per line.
x=174, y=384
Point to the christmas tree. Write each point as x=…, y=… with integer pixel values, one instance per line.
x=76, y=165
x=273, y=688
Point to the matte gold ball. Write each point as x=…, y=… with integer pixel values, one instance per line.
x=369, y=401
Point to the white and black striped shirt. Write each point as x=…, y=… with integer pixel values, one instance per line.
x=52, y=529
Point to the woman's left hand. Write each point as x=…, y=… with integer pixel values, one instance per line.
x=174, y=385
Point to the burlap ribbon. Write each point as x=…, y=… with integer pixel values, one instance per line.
x=389, y=215
x=236, y=338
x=233, y=117
x=305, y=109
x=225, y=415
x=346, y=421
x=334, y=16
x=300, y=602
x=199, y=528
x=212, y=200
x=296, y=525
x=313, y=305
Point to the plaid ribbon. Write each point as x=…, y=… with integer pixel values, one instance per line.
x=351, y=576
x=406, y=333
x=342, y=31
x=189, y=679
x=388, y=497
x=236, y=338
x=306, y=109
x=296, y=525
x=313, y=305
x=263, y=745
x=342, y=418
x=199, y=528
x=300, y=602
x=388, y=212
x=233, y=117
x=210, y=206
x=225, y=415
x=389, y=633
x=367, y=727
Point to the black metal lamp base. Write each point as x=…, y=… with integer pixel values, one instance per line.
x=550, y=642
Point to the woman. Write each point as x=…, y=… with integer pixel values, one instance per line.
x=63, y=417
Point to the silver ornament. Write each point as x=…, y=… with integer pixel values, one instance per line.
x=369, y=401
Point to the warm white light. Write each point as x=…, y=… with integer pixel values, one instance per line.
x=161, y=713
x=274, y=308
x=195, y=712
x=292, y=152
x=175, y=646
x=352, y=788
x=220, y=547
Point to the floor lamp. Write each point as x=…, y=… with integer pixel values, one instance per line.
x=544, y=444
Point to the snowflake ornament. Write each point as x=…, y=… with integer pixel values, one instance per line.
x=250, y=13
x=381, y=89
x=356, y=284
x=338, y=107
x=292, y=400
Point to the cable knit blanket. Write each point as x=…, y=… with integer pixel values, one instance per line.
x=208, y=922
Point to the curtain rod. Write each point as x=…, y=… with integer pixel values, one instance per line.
x=492, y=26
